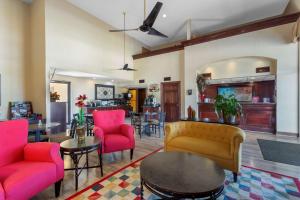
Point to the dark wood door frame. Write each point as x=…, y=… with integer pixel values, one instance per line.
x=69, y=97
x=179, y=94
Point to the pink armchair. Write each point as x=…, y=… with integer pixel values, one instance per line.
x=26, y=169
x=115, y=135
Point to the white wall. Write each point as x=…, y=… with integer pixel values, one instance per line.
x=14, y=23
x=272, y=43
x=83, y=86
x=238, y=67
x=154, y=69
x=76, y=40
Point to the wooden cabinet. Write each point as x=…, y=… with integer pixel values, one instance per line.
x=259, y=117
x=256, y=117
x=59, y=114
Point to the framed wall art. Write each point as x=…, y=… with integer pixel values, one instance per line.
x=103, y=92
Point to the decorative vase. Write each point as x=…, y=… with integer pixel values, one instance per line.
x=80, y=132
x=193, y=114
x=219, y=114
x=189, y=110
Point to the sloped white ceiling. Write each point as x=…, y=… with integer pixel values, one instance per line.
x=206, y=15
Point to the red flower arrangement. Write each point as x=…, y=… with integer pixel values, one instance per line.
x=80, y=103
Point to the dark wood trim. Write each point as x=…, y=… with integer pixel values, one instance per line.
x=229, y=32
x=69, y=96
x=245, y=28
x=158, y=52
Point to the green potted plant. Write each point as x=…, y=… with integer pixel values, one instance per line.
x=219, y=101
x=80, y=130
x=228, y=108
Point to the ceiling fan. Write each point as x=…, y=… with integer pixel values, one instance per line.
x=148, y=23
x=125, y=66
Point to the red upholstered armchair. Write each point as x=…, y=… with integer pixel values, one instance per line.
x=115, y=135
x=26, y=169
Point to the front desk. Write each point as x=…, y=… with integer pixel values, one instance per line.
x=256, y=116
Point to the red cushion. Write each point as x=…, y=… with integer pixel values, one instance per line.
x=15, y=134
x=22, y=180
x=110, y=120
x=116, y=142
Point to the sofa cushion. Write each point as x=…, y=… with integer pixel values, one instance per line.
x=201, y=146
x=116, y=142
x=24, y=179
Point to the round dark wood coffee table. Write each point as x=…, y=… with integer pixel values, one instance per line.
x=76, y=150
x=175, y=175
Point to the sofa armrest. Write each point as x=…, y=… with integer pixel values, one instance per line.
x=98, y=132
x=128, y=131
x=2, y=193
x=42, y=152
x=45, y=152
x=171, y=131
x=238, y=137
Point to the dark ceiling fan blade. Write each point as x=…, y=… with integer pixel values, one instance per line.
x=155, y=32
x=129, y=69
x=149, y=21
x=125, y=66
x=122, y=30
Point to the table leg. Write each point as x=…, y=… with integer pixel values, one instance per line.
x=62, y=154
x=76, y=161
x=142, y=189
x=100, y=159
x=87, y=158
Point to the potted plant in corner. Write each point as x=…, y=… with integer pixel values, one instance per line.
x=80, y=130
x=201, y=85
x=228, y=108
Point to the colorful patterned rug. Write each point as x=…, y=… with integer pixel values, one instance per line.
x=256, y=184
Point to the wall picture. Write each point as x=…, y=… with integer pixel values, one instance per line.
x=243, y=93
x=104, y=92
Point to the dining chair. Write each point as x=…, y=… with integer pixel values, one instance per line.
x=89, y=126
x=160, y=123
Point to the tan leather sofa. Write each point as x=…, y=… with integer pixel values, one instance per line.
x=221, y=143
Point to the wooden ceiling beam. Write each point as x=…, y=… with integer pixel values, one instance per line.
x=229, y=32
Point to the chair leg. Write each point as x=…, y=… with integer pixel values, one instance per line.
x=235, y=176
x=131, y=154
x=57, y=188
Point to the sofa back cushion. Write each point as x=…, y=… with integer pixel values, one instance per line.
x=209, y=131
x=109, y=121
x=13, y=138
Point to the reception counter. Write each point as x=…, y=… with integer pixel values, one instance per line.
x=256, y=116
x=89, y=110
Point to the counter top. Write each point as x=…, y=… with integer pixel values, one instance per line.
x=247, y=103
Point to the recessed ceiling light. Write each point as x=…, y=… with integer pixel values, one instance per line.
x=164, y=16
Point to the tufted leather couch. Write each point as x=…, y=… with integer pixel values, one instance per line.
x=221, y=143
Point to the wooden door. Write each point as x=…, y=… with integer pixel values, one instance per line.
x=141, y=99
x=170, y=98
